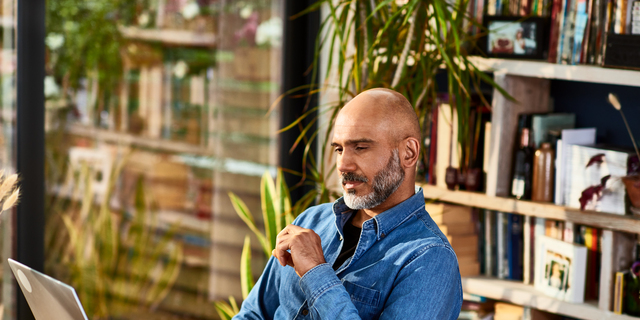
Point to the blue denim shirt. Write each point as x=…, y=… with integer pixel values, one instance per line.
x=402, y=268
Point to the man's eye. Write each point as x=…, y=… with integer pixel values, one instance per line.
x=360, y=148
x=337, y=150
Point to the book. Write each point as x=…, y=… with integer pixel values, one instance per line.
x=528, y=234
x=567, y=26
x=490, y=266
x=554, y=34
x=579, y=31
x=583, y=136
x=458, y=228
x=542, y=124
x=618, y=291
x=444, y=213
x=515, y=246
x=507, y=311
x=502, y=259
x=592, y=238
x=579, y=176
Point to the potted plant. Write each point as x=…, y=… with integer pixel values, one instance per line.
x=397, y=44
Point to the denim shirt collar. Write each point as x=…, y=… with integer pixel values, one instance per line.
x=385, y=221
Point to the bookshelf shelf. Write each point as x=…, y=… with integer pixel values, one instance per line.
x=545, y=70
x=535, y=209
x=173, y=37
x=129, y=139
x=525, y=295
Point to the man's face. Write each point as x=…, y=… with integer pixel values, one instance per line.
x=368, y=163
x=384, y=184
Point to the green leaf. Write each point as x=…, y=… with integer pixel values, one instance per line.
x=244, y=214
x=267, y=197
x=246, y=276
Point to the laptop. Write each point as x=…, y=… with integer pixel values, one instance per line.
x=47, y=297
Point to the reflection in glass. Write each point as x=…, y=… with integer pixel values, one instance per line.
x=156, y=110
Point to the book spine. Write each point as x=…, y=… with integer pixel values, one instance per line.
x=618, y=292
x=562, y=17
x=501, y=246
x=568, y=33
x=587, y=33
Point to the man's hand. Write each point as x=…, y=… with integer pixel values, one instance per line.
x=305, y=249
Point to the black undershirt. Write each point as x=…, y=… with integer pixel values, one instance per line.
x=351, y=238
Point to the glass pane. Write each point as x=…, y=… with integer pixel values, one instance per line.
x=7, y=146
x=156, y=111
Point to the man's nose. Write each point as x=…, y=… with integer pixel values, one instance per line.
x=345, y=162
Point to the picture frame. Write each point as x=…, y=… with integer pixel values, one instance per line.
x=560, y=269
x=515, y=37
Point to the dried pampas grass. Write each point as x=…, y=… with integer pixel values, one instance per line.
x=9, y=192
x=613, y=99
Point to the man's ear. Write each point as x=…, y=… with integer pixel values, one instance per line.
x=411, y=152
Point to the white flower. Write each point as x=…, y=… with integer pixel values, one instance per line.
x=54, y=41
x=270, y=32
x=180, y=69
x=143, y=19
x=246, y=11
x=51, y=88
x=411, y=61
x=190, y=10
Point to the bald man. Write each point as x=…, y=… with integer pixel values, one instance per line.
x=375, y=253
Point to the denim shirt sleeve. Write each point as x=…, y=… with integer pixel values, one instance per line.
x=263, y=300
x=428, y=287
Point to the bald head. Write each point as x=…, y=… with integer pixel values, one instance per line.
x=376, y=140
x=388, y=110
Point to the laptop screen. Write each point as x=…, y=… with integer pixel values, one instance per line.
x=47, y=297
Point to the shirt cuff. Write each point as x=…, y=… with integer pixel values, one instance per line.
x=317, y=281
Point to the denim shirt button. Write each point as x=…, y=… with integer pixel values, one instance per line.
x=381, y=235
x=305, y=312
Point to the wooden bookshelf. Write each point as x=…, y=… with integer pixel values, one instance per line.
x=140, y=141
x=172, y=37
x=526, y=295
x=534, y=209
x=545, y=70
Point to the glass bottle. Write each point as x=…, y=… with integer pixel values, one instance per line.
x=522, y=174
x=543, y=174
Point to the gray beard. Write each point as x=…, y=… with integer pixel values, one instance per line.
x=385, y=183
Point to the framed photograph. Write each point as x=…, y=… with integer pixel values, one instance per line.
x=516, y=37
x=560, y=269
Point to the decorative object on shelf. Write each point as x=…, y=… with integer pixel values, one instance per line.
x=543, y=174
x=515, y=37
x=632, y=179
x=560, y=269
x=622, y=51
x=521, y=183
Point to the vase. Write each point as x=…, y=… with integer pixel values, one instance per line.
x=632, y=184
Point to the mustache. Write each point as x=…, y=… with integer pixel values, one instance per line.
x=350, y=176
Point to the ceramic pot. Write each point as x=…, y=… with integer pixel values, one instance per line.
x=632, y=184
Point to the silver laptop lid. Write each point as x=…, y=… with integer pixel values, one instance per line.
x=48, y=298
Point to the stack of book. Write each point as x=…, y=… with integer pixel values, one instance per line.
x=506, y=311
x=457, y=224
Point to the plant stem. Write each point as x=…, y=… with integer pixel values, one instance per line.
x=405, y=51
x=630, y=134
